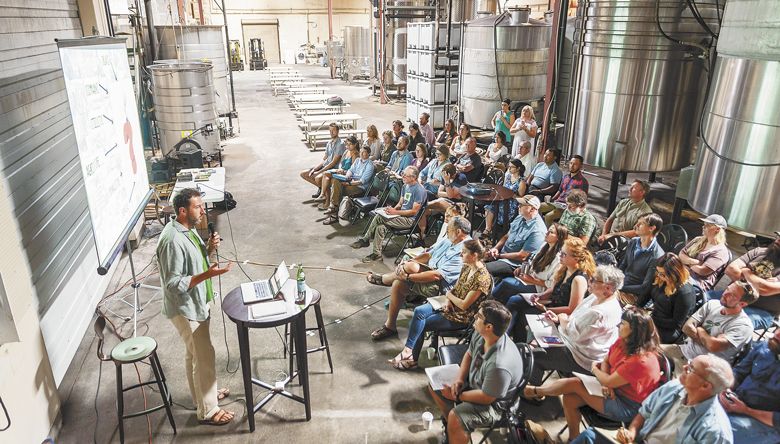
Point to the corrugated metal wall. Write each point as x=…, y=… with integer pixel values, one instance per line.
x=39, y=162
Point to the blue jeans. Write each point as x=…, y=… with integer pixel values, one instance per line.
x=750, y=431
x=507, y=292
x=427, y=319
x=588, y=436
x=762, y=319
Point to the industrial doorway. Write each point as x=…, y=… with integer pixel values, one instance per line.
x=268, y=32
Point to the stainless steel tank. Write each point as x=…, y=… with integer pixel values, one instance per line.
x=737, y=172
x=183, y=94
x=357, y=51
x=395, y=37
x=462, y=10
x=636, y=95
x=199, y=42
x=564, y=74
x=514, y=67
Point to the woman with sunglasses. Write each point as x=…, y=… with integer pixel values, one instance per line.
x=628, y=374
x=473, y=286
x=707, y=256
x=673, y=297
x=569, y=289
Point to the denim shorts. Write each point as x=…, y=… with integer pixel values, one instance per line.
x=621, y=408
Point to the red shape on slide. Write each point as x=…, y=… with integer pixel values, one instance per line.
x=128, y=130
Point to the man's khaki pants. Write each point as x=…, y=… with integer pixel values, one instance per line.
x=199, y=364
x=550, y=212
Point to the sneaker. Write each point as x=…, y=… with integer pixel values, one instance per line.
x=372, y=257
x=360, y=243
x=315, y=195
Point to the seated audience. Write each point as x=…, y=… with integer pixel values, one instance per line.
x=685, y=410
x=458, y=146
x=420, y=156
x=427, y=130
x=628, y=375
x=374, y=143
x=576, y=217
x=546, y=176
x=447, y=195
x=350, y=155
x=496, y=150
x=355, y=182
x=489, y=374
x=398, y=131
x=569, y=288
x=525, y=154
x=707, y=256
x=387, y=149
x=761, y=267
x=512, y=180
x=413, y=196
x=401, y=158
x=525, y=236
x=627, y=212
x=334, y=149
x=639, y=260
x=719, y=327
x=447, y=134
x=589, y=331
x=425, y=276
x=538, y=275
x=473, y=286
x=673, y=298
x=573, y=180
x=470, y=163
x=754, y=405
x=430, y=176
x=415, y=137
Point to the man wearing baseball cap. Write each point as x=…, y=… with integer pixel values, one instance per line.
x=525, y=236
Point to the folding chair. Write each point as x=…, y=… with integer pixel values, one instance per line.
x=406, y=232
x=672, y=238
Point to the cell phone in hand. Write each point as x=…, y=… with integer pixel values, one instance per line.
x=552, y=340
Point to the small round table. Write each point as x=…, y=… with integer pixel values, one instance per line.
x=238, y=312
x=498, y=193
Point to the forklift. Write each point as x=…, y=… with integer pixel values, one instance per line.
x=236, y=63
x=257, y=59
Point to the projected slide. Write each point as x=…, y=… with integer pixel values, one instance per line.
x=105, y=121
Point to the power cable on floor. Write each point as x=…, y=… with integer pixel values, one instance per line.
x=7, y=416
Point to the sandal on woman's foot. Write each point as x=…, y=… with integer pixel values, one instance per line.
x=383, y=333
x=330, y=220
x=376, y=279
x=222, y=393
x=405, y=364
x=222, y=417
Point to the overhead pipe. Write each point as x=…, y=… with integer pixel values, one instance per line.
x=559, y=25
x=148, y=9
x=330, y=20
x=230, y=71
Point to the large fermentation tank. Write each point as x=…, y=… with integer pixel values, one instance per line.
x=636, y=95
x=395, y=36
x=184, y=102
x=737, y=172
x=357, y=51
x=519, y=56
x=564, y=73
x=199, y=42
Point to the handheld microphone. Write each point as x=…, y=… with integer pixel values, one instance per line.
x=211, y=230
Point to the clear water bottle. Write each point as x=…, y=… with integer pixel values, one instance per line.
x=300, y=277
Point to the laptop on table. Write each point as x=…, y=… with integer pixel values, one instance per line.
x=266, y=289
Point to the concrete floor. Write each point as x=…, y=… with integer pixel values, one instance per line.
x=364, y=400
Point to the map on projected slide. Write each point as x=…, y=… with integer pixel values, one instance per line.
x=105, y=121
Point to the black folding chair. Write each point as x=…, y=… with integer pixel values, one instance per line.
x=672, y=238
x=406, y=232
x=369, y=201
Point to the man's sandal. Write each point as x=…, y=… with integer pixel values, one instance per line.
x=222, y=393
x=376, y=279
x=403, y=363
x=383, y=333
x=222, y=417
x=330, y=220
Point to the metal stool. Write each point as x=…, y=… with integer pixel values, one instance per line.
x=320, y=328
x=131, y=351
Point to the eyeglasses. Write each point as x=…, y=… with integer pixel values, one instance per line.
x=562, y=254
x=744, y=285
x=595, y=281
x=689, y=369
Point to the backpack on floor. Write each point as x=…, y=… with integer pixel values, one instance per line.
x=346, y=207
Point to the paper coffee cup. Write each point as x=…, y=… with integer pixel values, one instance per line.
x=427, y=418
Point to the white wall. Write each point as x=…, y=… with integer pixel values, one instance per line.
x=295, y=17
